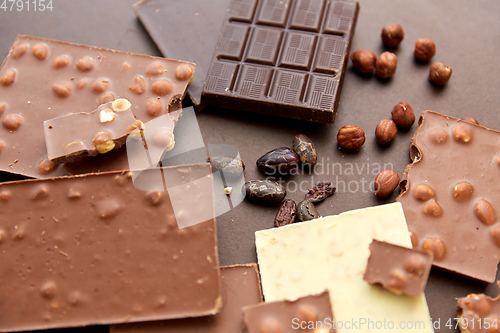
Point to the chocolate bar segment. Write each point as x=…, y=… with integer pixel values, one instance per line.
x=478, y=313
x=240, y=287
x=73, y=136
x=71, y=79
x=310, y=313
x=449, y=195
x=187, y=42
x=398, y=269
x=285, y=58
x=93, y=249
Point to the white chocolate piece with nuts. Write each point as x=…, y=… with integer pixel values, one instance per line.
x=331, y=253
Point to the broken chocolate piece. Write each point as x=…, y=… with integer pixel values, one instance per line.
x=478, y=313
x=398, y=269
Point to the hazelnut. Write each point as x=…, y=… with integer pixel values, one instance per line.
x=19, y=50
x=386, y=131
x=364, y=61
x=155, y=68
x=423, y=192
x=183, y=72
x=424, y=49
x=462, y=134
x=106, y=98
x=351, y=137
x=386, y=65
x=392, y=35
x=462, y=191
x=386, y=182
x=99, y=85
x=85, y=64
x=439, y=73
x=103, y=142
x=8, y=77
x=106, y=116
x=398, y=281
x=432, y=208
x=413, y=238
x=403, y=114
x=60, y=62
x=434, y=246
x=138, y=85
x=484, y=211
x=46, y=166
x=470, y=120
x=414, y=265
x=121, y=105
x=61, y=89
x=40, y=51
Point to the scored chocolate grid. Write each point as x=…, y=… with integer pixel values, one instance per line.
x=264, y=47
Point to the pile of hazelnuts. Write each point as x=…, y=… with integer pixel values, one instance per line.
x=385, y=65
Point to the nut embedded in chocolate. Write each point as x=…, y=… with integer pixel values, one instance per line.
x=470, y=120
x=392, y=35
x=351, y=137
x=462, y=191
x=61, y=89
x=12, y=121
x=8, y=77
x=306, y=211
x=40, y=51
x=85, y=64
x=60, y=62
x=386, y=131
x=280, y=160
x=386, y=65
x=403, y=114
x=183, y=72
x=484, y=211
x=103, y=142
x=386, y=182
x=439, y=73
x=364, y=61
x=286, y=214
x=266, y=191
x=153, y=107
x=304, y=148
x=423, y=192
x=435, y=246
x=320, y=191
x=425, y=49
x=154, y=69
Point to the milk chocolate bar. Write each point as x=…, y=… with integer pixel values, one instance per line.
x=240, y=287
x=93, y=249
x=310, y=313
x=398, y=269
x=187, y=42
x=331, y=253
x=43, y=79
x=88, y=134
x=286, y=58
x=478, y=313
x=450, y=197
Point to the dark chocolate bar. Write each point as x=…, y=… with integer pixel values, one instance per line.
x=93, y=249
x=196, y=32
x=398, y=269
x=450, y=197
x=73, y=136
x=240, y=287
x=285, y=58
x=43, y=79
x=306, y=314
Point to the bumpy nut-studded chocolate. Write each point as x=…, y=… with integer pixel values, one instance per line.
x=164, y=137
x=230, y=166
x=61, y=89
x=415, y=265
x=153, y=107
x=423, y=192
x=351, y=137
x=103, y=142
x=385, y=183
x=81, y=84
x=438, y=136
x=484, y=211
x=287, y=213
x=403, y=114
x=138, y=85
x=60, y=61
x=154, y=69
x=12, y=121
x=46, y=166
x=435, y=246
x=462, y=134
x=2, y=146
x=136, y=125
x=495, y=233
x=398, y=281
x=121, y=105
x=161, y=87
x=413, y=238
x=306, y=314
x=266, y=191
x=462, y=191
x=425, y=49
x=8, y=77
x=73, y=147
x=99, y=85
x=40, y=51
x=85, y=64
x=106, y=116
x=2, y=108
x=432, y=208
x=183, y=72
x=154, y=197
x=106, y=98
x=305, y=149
x=270, y=326
x=19, y=50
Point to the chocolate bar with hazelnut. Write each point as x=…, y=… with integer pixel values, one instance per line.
x=240, y=287
x=70, y=137
x=450, y=195
x=42, y=79
x=94, y=250
x=478, y=313
x=398, y=269
x=310, y=313
x=286, y=58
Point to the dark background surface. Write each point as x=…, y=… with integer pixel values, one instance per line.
x=467, y=35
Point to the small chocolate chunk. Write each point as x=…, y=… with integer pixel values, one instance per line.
x=266, y=191
x=304, y=148
x=286, y=214
x=229, y=166
x=280, y=160
x=320, y=192
x=306, y=211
